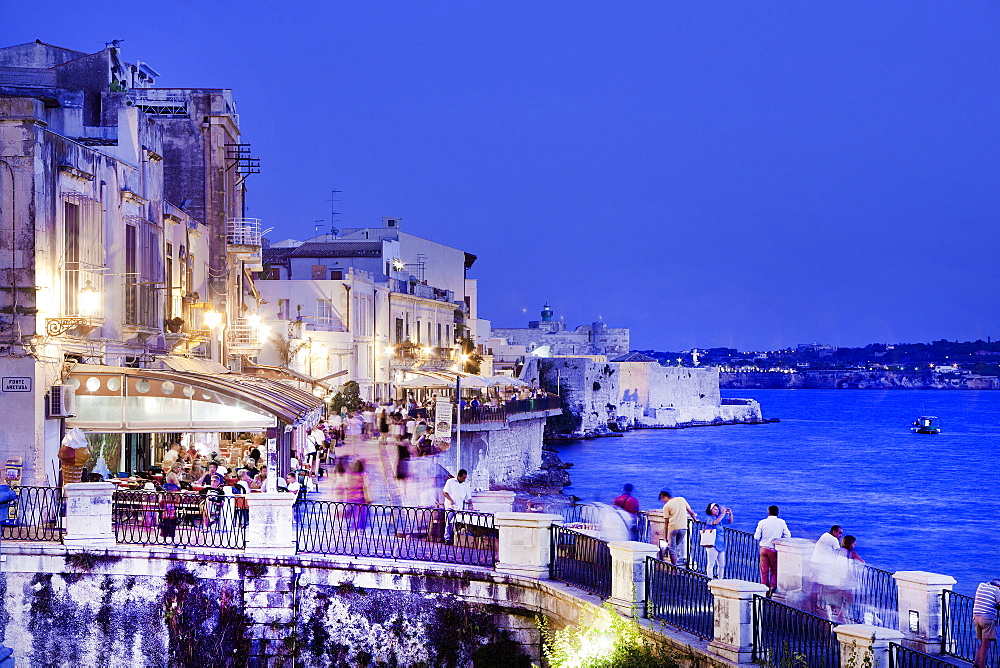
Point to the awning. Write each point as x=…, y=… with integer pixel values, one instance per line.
x=281, y=373
x=119, y=399
x=441, y=379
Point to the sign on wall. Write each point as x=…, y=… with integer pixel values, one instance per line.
x=16, y=384
x=442, y=420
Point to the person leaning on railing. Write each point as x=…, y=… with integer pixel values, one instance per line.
x=985, y=608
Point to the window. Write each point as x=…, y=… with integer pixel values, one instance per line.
x=418, y=332
x=324, y=314
x=399, y=331
x=274, y=273
x=336, y=274
x=439, y=335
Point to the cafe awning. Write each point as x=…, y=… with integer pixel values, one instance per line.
x=119, y=399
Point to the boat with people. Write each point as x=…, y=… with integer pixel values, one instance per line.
x=925, y=424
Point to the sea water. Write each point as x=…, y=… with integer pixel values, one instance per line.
x=914, y=501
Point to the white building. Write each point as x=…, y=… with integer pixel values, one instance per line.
x=367, y=306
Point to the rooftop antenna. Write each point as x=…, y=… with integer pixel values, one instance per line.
x=317, y=225
x=333, y=211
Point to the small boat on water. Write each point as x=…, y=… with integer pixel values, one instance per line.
x=925, y=424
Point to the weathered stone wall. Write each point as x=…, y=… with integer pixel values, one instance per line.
x=152, y=607
x=588, y=388
x=500, y=457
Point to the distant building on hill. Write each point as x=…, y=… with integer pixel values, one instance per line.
x=550, y=338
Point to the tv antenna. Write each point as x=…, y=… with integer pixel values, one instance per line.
x=333, y=211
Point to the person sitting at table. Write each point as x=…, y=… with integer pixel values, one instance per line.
x=213, y=470
x=174, y=475
x=245, y=482
x=172, y=456
x=260, y=479
x=194, y=476
x=212, y=500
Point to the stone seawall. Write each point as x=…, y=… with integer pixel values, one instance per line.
x=160, y=607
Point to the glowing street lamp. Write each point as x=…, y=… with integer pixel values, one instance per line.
x=89, y=300
x=88, y=303
x=211, y=319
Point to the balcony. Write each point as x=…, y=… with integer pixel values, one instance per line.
x=416, y=289
x=407, y=355
x=243, y=237
x=244, y=338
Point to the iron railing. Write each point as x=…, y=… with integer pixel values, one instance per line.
x=480, y=414
x=394, y=532
x=532, y=405
x=582, y=513
x=782, y=634
x=580, y=560
x=876, y=598
x=742, y=552
x=958, y=635
x=680, y=598
x=179, y=519
x=642, y=528
x=904, y=657
x=36, y=514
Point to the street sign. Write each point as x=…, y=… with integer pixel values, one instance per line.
x=16, y=384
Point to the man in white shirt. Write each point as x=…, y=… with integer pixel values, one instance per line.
x=171, y=456
x=457, y=496
x=823, y=568
x=768, y=530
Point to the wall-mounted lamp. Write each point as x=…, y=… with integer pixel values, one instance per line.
x=211, y=319
x=88, y=302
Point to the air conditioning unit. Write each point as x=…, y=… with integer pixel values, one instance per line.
x=62, y=401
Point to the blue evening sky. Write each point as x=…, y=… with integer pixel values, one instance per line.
x=706, y=173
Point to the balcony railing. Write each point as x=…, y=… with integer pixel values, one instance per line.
x=406, y=287
x=243, y=232
x=244, y=339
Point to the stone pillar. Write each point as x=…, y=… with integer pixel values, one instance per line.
x=271, y=528
x=493, y=502
x=525, y=543
x=794, y=556
x=856, y=640
x=920, y=608
x=734, y=618
x=628, y=575
x=88, y=516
